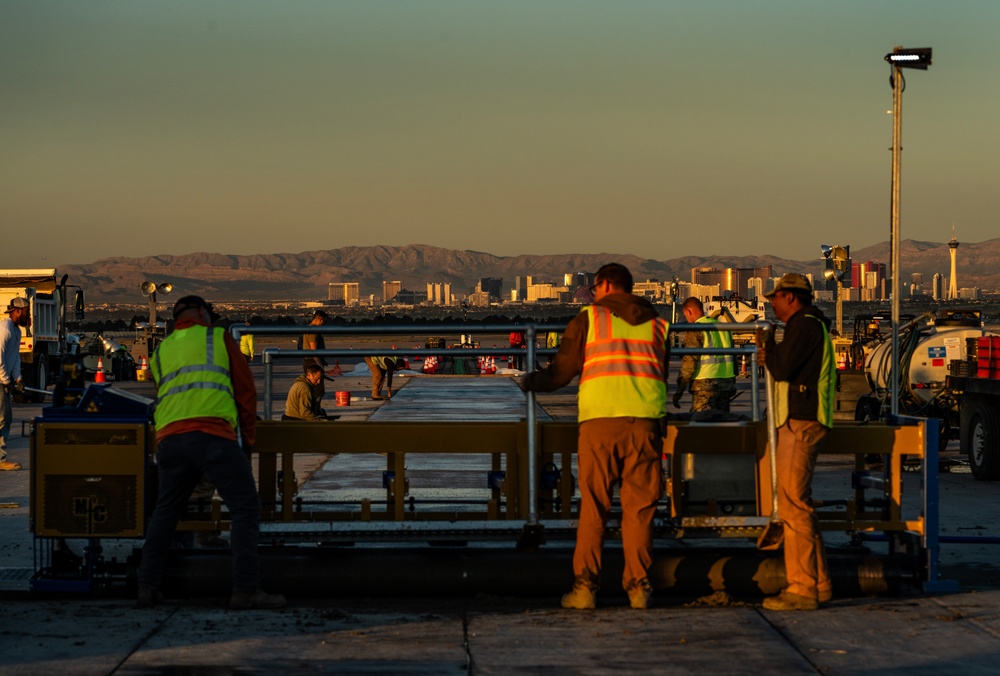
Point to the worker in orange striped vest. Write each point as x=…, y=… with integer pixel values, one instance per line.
x=618, y=346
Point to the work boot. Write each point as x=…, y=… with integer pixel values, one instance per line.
x=256, y=599
x=638, y=595
x=824, y=596
x=7, y=466
x=786, y=600
x=377, y=397
x=582, y=597
x=148, y=597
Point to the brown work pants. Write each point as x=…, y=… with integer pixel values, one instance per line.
x=379, y=376
x=625, y=451
x=799, y=442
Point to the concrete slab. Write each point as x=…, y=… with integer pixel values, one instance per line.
x=661, y=640
x=457, y=398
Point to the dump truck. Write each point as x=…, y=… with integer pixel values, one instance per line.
x=45, y=340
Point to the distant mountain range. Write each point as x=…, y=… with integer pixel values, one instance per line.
x=305, y=275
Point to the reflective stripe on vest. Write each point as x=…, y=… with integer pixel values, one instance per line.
x=826, y=386
x=715, y=365
x=191, y=369
x=623, y=373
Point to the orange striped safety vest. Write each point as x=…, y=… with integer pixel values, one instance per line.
x=623, y=370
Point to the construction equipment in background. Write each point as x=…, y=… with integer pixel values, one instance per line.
x=928, y=344
x=45, y=341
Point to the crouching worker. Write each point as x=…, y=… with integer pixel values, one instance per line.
x=205, y=393
x=619, y=348
x=301, y=403
x=382, y=369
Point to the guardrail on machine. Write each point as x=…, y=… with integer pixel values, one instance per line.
x=526, y=496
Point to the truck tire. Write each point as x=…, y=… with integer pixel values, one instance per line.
x=983, y=442
x=41, y=378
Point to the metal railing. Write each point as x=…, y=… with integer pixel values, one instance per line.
x=531, y=331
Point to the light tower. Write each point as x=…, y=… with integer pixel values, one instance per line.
x=953, y=279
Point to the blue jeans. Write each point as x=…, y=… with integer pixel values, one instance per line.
x=182, y=459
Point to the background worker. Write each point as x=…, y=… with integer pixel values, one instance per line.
x=18, y=315
x=206, y=401
x=301, y=401
x=517, y=342
x=804, y=368
x=710, y=377
x=246, y=345
x=618, y=347
x=382, y=369
x=314, y=341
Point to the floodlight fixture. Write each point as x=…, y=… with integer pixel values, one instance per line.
x=150, y=288
x=919, y=57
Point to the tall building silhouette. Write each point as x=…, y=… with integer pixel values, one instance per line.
x=953, y=279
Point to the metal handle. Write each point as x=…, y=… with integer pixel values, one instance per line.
x=772, y=442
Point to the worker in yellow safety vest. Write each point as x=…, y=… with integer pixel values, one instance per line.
x=710, y=377
x=618, y=346
x=206, y=404
x=804, y=369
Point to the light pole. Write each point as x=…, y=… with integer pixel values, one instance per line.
x=898, y=59
x=150, y=288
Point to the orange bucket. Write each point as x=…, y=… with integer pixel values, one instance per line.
x=343, y=398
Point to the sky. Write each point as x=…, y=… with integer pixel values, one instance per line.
x=656, y=128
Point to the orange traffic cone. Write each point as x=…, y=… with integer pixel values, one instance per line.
x=743, y=368
x=336, y=370
x=99, y=376
x=842, y=362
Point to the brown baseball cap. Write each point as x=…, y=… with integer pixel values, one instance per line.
x=793, y=281
x=17, y=303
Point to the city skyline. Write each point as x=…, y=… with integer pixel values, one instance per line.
x=669, y=128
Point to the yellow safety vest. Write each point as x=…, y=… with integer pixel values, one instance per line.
x=715, y=365
x=623, y=372
x=191, y=369
x=246, y=344
x=826, y=387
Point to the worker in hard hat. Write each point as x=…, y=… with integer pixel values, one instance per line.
x=382, y=369
x=618, y=346
x=18, y=315
x=804, y=369
x=711, y=378
x=314, y=341
x=206, y=404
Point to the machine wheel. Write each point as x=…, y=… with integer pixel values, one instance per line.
x=983, y=442
x=41, y=378
x=867, y=410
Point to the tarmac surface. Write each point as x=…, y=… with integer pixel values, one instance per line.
x=912, y=632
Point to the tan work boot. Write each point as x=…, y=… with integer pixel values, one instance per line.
x=786, y=600
x=638, y=596
x=824, y=596
x=7, y=466
x=582, y=597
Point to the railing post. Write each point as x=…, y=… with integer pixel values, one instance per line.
x=532, y=434
x=268, y=375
